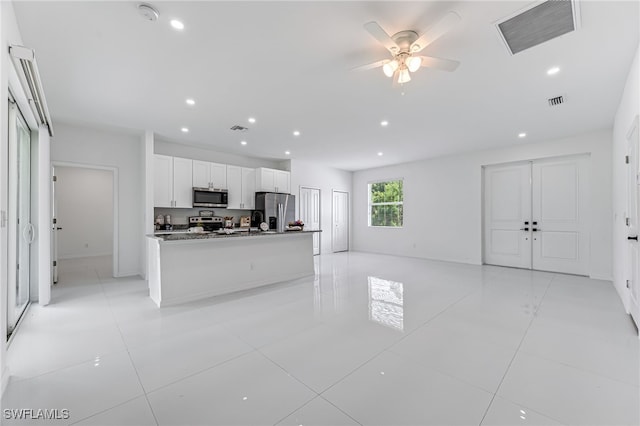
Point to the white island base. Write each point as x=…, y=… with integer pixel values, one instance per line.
x=192, y=269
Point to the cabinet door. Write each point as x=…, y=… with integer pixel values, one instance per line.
x=201, y=174
x=182, y=182
x=248, y=188
x=219, y=175
x=234, y=185
x=162, y=181
x=283, y=181
x=266, y=180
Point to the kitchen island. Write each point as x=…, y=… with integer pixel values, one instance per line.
x=190, y=266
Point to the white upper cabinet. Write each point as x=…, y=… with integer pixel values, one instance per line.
x=283, y=181
x=172, y=182
x=182, y=182
x=162, y=181
x=209, y=175
x=248, y=188
x=272, y=180
x=241, y=186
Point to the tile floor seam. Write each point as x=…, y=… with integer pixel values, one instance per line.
x=341, y=410
x=584, y=370
x=386, y=348
x=133, y=364
x=188, y=376
x=524, y=335
x=105, y=410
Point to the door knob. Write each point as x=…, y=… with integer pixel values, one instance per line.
x=633, y=238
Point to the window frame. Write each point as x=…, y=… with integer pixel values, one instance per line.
x=393, y=203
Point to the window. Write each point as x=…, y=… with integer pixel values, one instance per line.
x=386, y=203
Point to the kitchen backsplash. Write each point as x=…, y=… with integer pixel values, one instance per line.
x=180, y=216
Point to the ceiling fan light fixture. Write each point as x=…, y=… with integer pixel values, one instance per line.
x=404, y=76
x=390, y=67
x=414, y=63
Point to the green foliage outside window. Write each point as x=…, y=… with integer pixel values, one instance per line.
x=386, y=203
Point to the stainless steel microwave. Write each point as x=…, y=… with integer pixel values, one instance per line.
x=207, y=197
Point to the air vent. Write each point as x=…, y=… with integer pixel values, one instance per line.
x=238, y=128
x=558, y=100
x=539, y=24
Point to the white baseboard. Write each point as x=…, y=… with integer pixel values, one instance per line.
x=601, y=277
x=4, y=381
x=78, y=256
x=123, y=274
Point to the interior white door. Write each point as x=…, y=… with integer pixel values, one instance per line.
x=559, y=224
x=507, y=210
x=54, y=228
x=340, y=234
x=310, y=213
x=633, y=210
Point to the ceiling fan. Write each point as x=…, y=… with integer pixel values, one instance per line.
x=404, y=47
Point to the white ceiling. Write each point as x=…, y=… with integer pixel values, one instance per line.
x=288, y=65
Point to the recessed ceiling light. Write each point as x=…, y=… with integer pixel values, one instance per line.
x=178, y=25
x=522, y=135
x=552, y=71
x=185, y=130
x=296, y=133
x=252, y=120
x=287, y=152
x=384, y=123
x=243, y=142
x=380, y=154
x=190, y=102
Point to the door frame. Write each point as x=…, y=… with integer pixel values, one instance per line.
x=116, y=224
x=333, y=192
x=300, y=188
x=532, y=160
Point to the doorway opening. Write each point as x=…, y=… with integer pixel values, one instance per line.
x=536, y=215
x=84, y=209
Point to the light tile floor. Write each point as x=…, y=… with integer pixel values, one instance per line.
x=371, y=340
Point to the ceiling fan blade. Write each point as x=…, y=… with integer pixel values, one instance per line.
x=372, y=65
x=381, y=35
x=443, y=26
x=439, y=63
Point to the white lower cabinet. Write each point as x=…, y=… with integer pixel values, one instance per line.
x=172, y=182
x=242, y=187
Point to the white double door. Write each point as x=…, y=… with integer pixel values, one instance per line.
x=535, y=215
x=633, y=223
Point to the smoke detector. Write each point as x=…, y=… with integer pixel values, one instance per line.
x=148, y=12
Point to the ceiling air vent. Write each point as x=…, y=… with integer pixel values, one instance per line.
x=539, y=24
x=558, y=100
x=238, y=128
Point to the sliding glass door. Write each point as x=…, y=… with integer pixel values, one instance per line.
x=21, y=231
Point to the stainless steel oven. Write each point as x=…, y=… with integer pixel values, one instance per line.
x=206, y=197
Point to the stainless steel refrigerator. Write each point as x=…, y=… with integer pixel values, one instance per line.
x=278, y=209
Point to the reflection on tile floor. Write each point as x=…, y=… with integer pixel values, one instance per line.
x=371, y=339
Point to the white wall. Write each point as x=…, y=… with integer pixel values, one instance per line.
x=443, y=202
x=84, y=200
x=628, y=110
x=326, y=179
x=91, y=147
x=186, y=151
